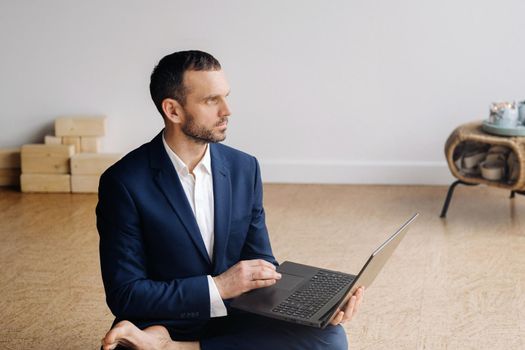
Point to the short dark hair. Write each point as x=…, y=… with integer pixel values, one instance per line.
x=167, y=77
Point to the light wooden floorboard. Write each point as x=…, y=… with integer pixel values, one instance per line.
x=457, y=283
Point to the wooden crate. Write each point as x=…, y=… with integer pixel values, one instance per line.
x=72, y=140
x=46, y=159
x=9, y=158
x=84, y=183
x=92, y=163
x=9, y=177
x=80, y=126
x=52, y=140
x=45, y=183
x=89, y=144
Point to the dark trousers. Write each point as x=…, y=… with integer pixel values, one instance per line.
x=247, y=332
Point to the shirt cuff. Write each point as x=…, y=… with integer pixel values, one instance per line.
x=217, y=307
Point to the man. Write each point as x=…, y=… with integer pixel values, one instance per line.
x=182, y=229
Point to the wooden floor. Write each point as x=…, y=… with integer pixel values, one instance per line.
x=457, y=283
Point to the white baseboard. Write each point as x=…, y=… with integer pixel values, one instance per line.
x=391, y=173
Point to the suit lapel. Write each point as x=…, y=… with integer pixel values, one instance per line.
x=222, y=207
x=169, y=183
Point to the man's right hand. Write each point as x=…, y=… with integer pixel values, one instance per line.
x=245, y=276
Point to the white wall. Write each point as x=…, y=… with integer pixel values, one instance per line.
x=322, y=91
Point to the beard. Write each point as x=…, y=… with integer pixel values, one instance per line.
x=200, y=133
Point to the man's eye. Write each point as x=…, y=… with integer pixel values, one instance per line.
x=212, y=101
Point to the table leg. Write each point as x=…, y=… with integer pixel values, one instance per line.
x=449, y=195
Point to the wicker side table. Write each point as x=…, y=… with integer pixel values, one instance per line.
x=472, y=132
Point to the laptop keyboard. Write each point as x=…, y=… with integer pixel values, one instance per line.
x=311, y=297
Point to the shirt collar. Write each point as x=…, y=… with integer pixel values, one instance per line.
x=180, y=166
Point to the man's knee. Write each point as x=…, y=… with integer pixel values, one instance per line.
x=335, y=338
x=330, y=338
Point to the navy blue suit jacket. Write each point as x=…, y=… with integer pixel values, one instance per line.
x=153, y=259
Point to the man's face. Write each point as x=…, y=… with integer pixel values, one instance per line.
x=205, y=113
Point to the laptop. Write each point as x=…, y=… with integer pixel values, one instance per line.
x=313, y=296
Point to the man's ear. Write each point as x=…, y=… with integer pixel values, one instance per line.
x=172, y=110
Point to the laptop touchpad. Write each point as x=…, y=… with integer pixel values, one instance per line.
x=288, y=282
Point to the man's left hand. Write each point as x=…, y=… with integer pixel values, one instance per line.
x=351, y=307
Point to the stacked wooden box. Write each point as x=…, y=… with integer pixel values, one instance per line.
x=86, y=169
x=45, y=168
x=70, y=160
x=9, y=167
x=83, y=133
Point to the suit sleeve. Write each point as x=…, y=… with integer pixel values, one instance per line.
x=130, y=294
x=257, y=245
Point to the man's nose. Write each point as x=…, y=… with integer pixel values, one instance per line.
x=225, y=109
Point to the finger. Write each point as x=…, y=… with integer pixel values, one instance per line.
x=262, y=267
x=349, y=311
x=265, y=274
x=359, y=299
x=261, y=283
x=261, y=270
x=337, y=319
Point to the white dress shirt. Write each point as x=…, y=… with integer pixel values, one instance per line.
x=199, y=191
